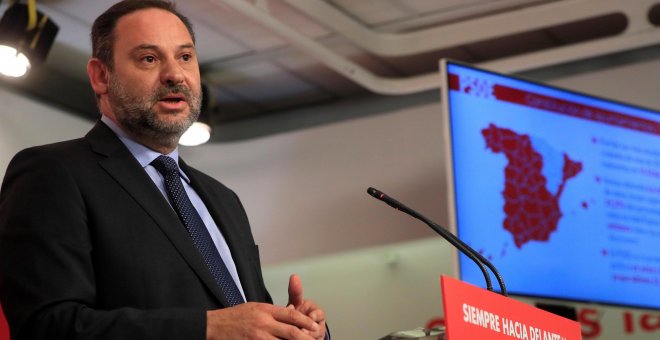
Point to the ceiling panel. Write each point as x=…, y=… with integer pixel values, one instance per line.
x=81, y=10
x=372, y=13
x=498, y=48
x=213, y=45
x=379, y=13
x=295, y=18
x=320, y=76
x=230, y=106
x=268, y=84
x=254, y=71
x=426, y=62
x=426, y=6
x=223, y=19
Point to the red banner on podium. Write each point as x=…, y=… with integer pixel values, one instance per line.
x=475, y=313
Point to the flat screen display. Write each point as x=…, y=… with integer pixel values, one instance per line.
x=559, y=190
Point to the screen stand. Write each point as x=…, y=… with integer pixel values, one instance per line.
x=561, y=310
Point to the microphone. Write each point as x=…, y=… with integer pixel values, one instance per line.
x=474, y=255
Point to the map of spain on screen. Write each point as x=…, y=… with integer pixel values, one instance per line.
x=532, y=210
x=560, y=190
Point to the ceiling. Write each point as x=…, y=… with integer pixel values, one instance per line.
x=263, y=57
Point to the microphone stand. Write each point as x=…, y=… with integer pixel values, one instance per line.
x=475, y=256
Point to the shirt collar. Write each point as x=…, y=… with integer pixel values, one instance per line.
x=142, y=154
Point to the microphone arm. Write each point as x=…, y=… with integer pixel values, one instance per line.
x=475, y=256
x=483, y=260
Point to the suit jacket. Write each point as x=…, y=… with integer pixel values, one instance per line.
x=90, y=249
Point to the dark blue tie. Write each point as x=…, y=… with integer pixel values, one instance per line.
x=196, y=228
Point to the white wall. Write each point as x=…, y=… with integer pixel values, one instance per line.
x=25, y=122
x=305, y=194
x=637, y=83
x=305, y=191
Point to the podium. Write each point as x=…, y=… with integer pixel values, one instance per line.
x=475, y=313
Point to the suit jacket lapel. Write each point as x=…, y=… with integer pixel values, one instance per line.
x=125, y=169
x=222, y=214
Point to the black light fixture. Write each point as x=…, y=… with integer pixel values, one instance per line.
x=26, y=36
x=200, y=131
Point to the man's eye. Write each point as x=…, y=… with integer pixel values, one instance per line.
x=186, y=57
x=149, y=59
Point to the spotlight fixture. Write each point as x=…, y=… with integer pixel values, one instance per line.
x=26, y=36
x=200, y=131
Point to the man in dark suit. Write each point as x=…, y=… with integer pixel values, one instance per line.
x=95, y=240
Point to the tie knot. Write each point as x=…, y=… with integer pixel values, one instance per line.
x=165, y=165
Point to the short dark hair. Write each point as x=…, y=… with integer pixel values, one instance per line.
x=104, y=26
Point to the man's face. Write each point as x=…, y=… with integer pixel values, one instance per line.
x=154, y=88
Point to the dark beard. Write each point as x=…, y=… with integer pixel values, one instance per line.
x=136, y=114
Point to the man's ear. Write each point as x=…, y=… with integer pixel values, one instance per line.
x=98, y=76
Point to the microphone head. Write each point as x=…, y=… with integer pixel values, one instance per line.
x=375, y=192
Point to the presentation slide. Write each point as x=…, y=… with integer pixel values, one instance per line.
x=560, y=190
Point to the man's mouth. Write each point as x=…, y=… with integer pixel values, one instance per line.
x=173, y=98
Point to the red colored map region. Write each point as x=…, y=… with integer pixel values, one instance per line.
x=532, y=211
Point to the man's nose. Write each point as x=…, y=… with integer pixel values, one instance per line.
x=172, y=73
